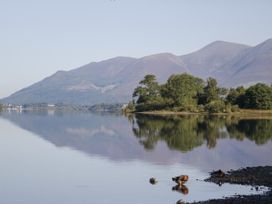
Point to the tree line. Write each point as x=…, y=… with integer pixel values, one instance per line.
x=184, y=92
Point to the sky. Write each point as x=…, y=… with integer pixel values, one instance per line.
x=40, y=37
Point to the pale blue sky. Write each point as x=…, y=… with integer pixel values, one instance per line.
x=39, y=37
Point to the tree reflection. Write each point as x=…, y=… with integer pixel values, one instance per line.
x=185, y=133
x=259, y=131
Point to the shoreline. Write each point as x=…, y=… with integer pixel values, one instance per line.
x=254, y=176
x=250, y=113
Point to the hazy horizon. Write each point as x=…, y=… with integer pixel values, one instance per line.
x=40, y=38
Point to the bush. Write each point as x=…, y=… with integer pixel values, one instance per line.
x=129, y=108
x=187, y=108
x=258, y=96
x=217, y=106
x=201, y=108
x=149, y=107
x=234, y=108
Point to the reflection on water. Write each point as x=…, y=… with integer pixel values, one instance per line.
x=120, y=154
x=193, y=140
x=187, y=133
x=259, y=131
x=181, y=189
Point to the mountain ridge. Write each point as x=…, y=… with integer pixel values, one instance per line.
x=113, y=80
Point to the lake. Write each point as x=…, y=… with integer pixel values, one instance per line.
x=71, y=158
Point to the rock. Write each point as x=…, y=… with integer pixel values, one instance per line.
x=153, y=181
x=218, y=173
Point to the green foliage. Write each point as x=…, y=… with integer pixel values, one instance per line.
x=217, y=106
x=1, y=107
x=258, y=96
x=148, y=94
x=236, y=96
x=184, y=92
x=211, y=92
x=181, y=90
x=130, y=107
x=149, y=107
x=232, y=96
x=148, y=91
x=234, y=108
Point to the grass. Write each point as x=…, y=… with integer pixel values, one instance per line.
x=251, y=113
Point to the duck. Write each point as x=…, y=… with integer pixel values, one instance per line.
x=180, y=179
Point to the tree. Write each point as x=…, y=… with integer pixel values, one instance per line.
x=148, y=94
x=258, y=96
x=237, y=96
x=213, y=97
x=232, y=96
x=181, y=91
x=130, y=107
x=148, y=91
x=211, y=91
x=184, y=92
x=217, y=106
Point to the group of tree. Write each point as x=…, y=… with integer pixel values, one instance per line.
x=258, y=96
x=184, y=92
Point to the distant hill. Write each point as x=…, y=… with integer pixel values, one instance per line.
x=248, y=67
x=113, y=80
x=206, y=61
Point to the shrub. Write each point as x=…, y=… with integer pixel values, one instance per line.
x=217, y=106
x=234, y=108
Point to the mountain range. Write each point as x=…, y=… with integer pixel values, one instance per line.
x=113, y=80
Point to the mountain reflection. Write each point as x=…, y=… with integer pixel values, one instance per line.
x=195, y=140
x=186, y=133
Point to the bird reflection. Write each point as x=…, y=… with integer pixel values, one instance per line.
x=181, y=189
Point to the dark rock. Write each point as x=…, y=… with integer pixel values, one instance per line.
x=153, y=181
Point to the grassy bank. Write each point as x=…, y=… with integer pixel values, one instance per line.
x=241, y=113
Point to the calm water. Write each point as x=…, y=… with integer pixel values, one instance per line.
x=71, y=158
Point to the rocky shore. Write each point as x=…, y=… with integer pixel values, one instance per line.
x=255, y=176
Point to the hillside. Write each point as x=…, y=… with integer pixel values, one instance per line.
x=113, y=80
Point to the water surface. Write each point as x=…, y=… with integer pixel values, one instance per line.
x=90, y=158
